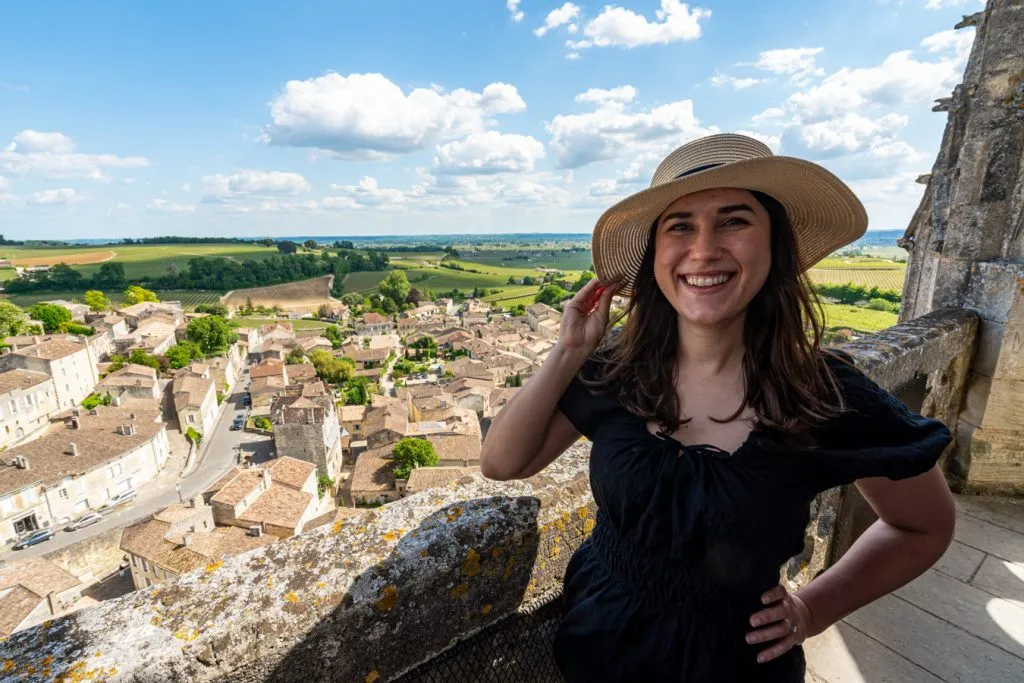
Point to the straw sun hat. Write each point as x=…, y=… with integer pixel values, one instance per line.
x=824, y=212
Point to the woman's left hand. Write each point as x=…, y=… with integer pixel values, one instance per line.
x=786, y=620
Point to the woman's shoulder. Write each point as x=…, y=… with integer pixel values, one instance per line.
x=860, y=393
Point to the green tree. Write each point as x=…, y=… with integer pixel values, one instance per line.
x=410, y=453
x=212, y=334
x=323, y=483
x=551, y=295
x=323, y=311
x=332, y=333
x=194, y=436
x=388, y=305
x=287, y=247
x=110, y=275
x=267, y=242
x=529, y=280
x=96, y=300
x=93, y=400
x=140, y=357
x=586, y=277
x=13, y=320
x=357, y=391
x=262, y=422
x=51, y=316
x=309, y=244
x=352, y=299
x=331, y=369
x=395, y=287
x=213, y=309
x=135, y=294
x=183, y=353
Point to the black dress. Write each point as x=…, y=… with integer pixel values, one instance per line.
x=687, y=538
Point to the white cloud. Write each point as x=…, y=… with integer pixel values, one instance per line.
x=488, y=152
x=5, y=185
x=900, y=79
x=558, y=17
x=620, y=27
x=167, y=206
x=253, y=183
x=769, y=115
x=942, y=4
x=849, y=132
x=53, y=155
x=513, y=8
x=796, y=63
x=368, y=116
x=889, y=200
x=367, y=193
x=64, y=195
x=610, y=132
x=572, y=56
x=623, y=94
x=773, y=141
x=736, y=83
x=958, y=40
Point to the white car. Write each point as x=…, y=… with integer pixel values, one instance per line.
x=84, y=521
x=121, y=498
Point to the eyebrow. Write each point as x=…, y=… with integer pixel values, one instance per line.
x=729, y=208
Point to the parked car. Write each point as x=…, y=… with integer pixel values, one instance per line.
x=84, y=521
x=121, y=498
x=33, y=538
x=238, y=423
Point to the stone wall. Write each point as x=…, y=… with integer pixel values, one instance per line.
x=372, y=597
x=967, y=243
x=97, y=556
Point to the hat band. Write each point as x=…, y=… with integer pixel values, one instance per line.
x=697, y=170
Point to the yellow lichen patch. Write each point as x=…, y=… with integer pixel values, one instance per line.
x=583, y=512
x=47, y=660
x=471, y=565
x=321, y=584
x=337, y=526
x=588, y=525
x=555, y=552
x=459, y=591
x=486, y=609
x=388, y=597
x=187, y=634
x=372, y=677
x=155, y=621
x=8, y=665
x=543, y=565
x=393, y=535
x=560, y=525
x=424, y=553
x=291, y=596
x=497, y=551
x=214, y=566
x=454, y=513
x=558, y=539
x=270, y=582
x=437, y=502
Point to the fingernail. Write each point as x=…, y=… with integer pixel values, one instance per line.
x=765, y=599
x=755, y=622
x=751, y=639
x=761, y=659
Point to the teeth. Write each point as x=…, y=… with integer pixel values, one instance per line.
x=706, y=281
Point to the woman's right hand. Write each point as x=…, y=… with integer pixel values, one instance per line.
x=585, y=319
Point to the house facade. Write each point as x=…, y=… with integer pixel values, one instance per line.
x=195, y=400
x=67, y=359
x=27, y=399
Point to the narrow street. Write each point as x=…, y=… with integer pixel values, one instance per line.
x=219, y=456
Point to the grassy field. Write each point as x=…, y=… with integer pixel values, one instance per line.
x=189, y=299
x=864, y=320
x=365, y=281
x=7, y=274
x=530, y=259
x=297, y=324
x=146, y=260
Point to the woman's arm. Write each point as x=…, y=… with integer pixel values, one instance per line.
x=530, y=431
x=916, y=519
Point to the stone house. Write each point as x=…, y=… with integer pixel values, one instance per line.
x=77, y=466
x=136, y=313
x=300, y=373
x=278, y=497
x=263, y=390
x=153, y=334
x=544, y=320
x=308, y=344
x=306, y=427
x=373, y=478
x=67, y=359
x=77, y=311
x=131, y=381
x=280, y=333
x=366, y=359
x=195, y=401
x=180, y=539
x=536, y=349
x=27, y=399
x=373, y=323
x=423, y=478
x=385, y=424
x=352, y=417
x=33, y=590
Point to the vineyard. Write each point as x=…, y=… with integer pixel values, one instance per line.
x=189, y=299
x=883, y=278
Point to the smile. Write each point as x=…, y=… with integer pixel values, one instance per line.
x=708, y=280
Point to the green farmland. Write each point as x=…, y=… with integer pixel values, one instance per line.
x=189, y=299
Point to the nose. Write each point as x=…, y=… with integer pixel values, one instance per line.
x=706, y=246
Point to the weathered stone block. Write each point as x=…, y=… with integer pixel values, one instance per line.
x=992, y=290
x=1005, y=407
x=986, y=353
x=976, y=399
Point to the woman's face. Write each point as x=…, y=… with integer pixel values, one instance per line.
x=712, y=254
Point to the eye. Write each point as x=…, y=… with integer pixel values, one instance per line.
x=735, y=222
x=679, y=227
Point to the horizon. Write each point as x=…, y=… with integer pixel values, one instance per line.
x=303, y=120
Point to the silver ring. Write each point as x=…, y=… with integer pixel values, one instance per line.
x=792, y=629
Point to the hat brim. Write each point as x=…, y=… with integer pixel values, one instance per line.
x=825, y=214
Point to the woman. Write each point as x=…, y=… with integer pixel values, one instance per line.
x=715, y=418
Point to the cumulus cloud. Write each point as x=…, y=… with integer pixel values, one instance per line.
x=513, y=8
x=368, y=116
x=942, y=4
x=53, y=155
x=769, y=115
x=558, y=17
x=612, y=132
x=736, y=83
x=253, y=183
x=619, y=27
x=957, y=40
x=487, y=153
x=849, y=132
x=64, y=195
x=167, y=206
x=773, y=141
x=796, y=63
x=367, y=193
x=624, y=94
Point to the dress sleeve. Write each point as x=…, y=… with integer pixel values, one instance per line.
x=878, y=436
x=583, y=408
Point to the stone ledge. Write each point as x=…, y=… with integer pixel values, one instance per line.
x=365, y=599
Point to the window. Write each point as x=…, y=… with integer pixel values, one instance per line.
x=64, y=371
x=191, y=418
x=62, y=494
x=115, y=469
x=14, y=407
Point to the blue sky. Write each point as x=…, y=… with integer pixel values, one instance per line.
x=444, y=116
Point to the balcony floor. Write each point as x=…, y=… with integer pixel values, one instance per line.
x=963, y=620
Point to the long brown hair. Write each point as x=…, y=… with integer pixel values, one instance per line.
x=788, y=384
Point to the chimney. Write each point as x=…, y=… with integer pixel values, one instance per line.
x=75, y=412
x=256, y=530
x=75, y=424
x=116, y=401
x=72, y=449
x=266, y=477
x=195, y=502
x=21, y=462
x=186, y=540
x=131, y=416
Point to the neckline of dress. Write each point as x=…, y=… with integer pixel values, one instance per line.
x=715, y=451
